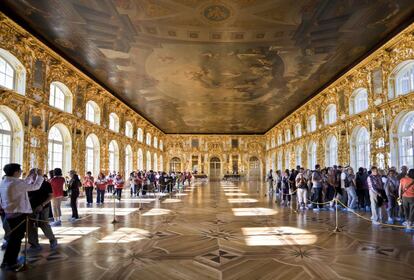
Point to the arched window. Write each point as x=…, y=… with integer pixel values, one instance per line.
x=140, y=160
x=59, y=148
x=93, y=113
x=129, y=130
x=273, y=142
x=155, y=142
x=161, y=145
x=287, y=159
x=280, y=161
x=360, y=148
x=279, y=139
x=155, y=163
x=358, y=101
x=12, y=72
x=405, y=140
x=113, y=156
x=161, y=163
x=60, y=97
x=312, y=156
x=148, y=139
x=402, y=79
x=11, y=137
x=312, y=123
x=287, y=136
x=330, y=114
x=92, y=155
x=114, y=122
x=148, y=161
x=298, y=155
x=128, y=161
x=140, y=135
x=298, y=130
x=5, y=141
x=331, y=152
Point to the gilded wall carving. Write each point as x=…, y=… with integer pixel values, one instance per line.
x=38, y=117
x=373, y=74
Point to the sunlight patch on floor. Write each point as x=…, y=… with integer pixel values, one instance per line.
x=65, y=235
x=125, y=235
x=277, y=236
x=236, y=194
x=100, y=211
x=259, y=211
x=242, y=200
x=156, y=212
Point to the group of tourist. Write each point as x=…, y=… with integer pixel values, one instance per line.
x=371, y=190
x=33, y=199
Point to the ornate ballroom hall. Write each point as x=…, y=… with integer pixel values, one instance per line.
x=211, y=139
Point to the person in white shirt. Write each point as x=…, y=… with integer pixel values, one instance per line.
x=14, y=200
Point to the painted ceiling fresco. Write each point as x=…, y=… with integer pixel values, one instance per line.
x=214, y=66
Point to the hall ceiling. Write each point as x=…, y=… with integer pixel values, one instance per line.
x=215, y=66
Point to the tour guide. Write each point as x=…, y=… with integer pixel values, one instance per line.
x=14, y=200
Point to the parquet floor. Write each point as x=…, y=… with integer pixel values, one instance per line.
x=218, y=231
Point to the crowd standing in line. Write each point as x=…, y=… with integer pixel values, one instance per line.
x=388, y=196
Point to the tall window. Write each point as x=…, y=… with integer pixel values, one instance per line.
x=155, y=163
x=405, y=140
x=287, y=159
x=161, y=145
x=287, y=136
x=11, y=138
x=175, y=165
x=140, y=135
x=60, y=97
x=312, y=123
x=148, y=161
x=279, y=161
x=93, y=113
x=360, y=148
x=12, y=72
x=55, y=149
x=7, y=74
x=404, y=79
x=148, y=139
x=279, y=139
x=359, y=101
x=92, y=154
x=5, y=141
x=129, y=131
x=312, y=149
x=161, y=163
x=140, y=160
x=298, y=155
x=330, y=114
x=128, y=161
x=113, y=156
x=114, y=122
x=298, y=130
x=331, y=155
x=155, y=142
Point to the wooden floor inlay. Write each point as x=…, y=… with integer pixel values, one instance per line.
x=219, y=231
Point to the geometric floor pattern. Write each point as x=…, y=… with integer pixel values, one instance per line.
x=209, y=234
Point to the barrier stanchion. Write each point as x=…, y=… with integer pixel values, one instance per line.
x=114, y=221
x=26, y=241
x=336, y=216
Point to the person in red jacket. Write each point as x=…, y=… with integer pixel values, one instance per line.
x=57, y=183
x=88, y=183
x=119, y=185
x=100, y=184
